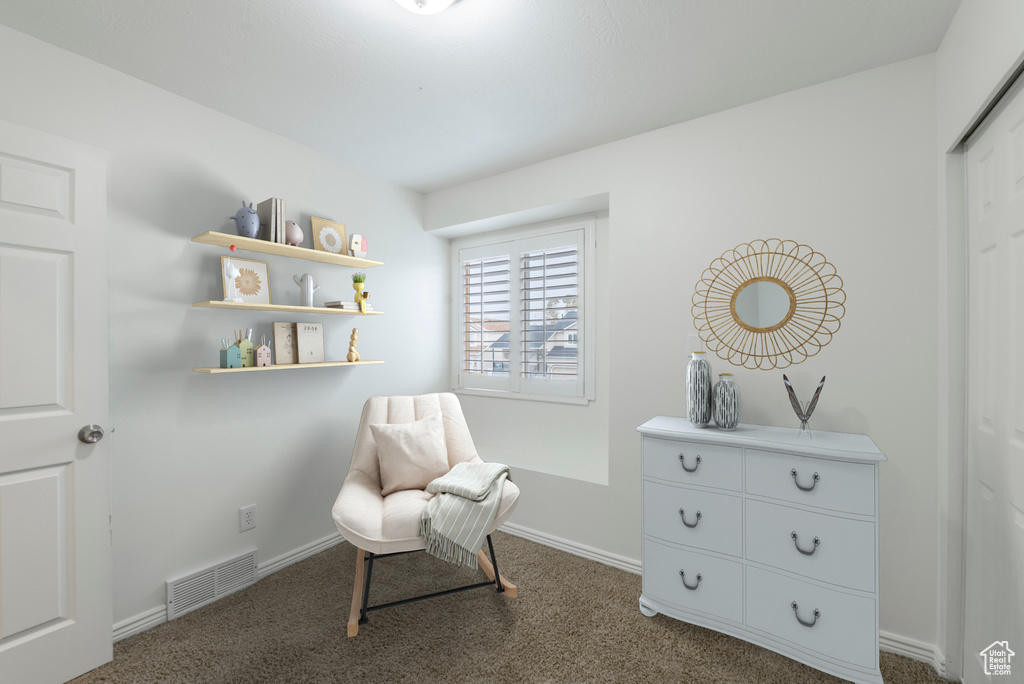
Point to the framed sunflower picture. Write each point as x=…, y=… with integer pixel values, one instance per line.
x=329, y=236
x=245, y=280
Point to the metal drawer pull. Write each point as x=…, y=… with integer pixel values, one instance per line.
x=682, y=576
x=800, y=486
x=801, y=620
x=796, y=542
x=682, y=514
x=682, y=462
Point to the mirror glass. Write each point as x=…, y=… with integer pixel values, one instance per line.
x=762, y=305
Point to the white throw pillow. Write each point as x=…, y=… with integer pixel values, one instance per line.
x=411, y=455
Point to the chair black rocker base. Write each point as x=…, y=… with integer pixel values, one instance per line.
x=369, y=557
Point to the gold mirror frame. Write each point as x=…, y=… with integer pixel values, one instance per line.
x=817, y=303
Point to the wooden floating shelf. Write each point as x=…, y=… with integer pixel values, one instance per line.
x=248, y=306
x=287, y=366
x=253, y=245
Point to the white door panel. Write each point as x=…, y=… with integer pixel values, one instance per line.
x=994, y=526
x=55, y=560
x=34, y=526
x=34, y=286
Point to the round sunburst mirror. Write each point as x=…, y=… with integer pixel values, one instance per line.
x=768, y=304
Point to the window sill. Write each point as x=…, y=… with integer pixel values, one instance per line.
x=497, y=394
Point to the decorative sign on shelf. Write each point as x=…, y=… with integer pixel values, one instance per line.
x=328, y=236
x=251, y=284
x=286, y=349
x=310, y=337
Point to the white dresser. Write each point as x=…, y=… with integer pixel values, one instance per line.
x=765, y=536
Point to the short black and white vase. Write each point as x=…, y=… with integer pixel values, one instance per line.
x=725, y=402
x=698, y=390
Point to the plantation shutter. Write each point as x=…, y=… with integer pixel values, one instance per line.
x=484, y=329
x=550, y=345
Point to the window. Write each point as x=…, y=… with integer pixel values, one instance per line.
x=523, y=312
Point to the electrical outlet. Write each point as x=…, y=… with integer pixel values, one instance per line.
x=247, y=518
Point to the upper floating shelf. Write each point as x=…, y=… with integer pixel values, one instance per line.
x=253, y=245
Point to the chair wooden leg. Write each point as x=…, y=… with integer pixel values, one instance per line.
x=485, y=564
x=357, y=595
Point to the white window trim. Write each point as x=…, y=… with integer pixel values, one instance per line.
x=589, y=313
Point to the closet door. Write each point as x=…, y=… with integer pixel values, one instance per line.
x=994, y=532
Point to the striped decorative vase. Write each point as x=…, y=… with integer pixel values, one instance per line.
x=698, y=390
x=725, y=402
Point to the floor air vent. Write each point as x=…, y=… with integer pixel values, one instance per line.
x=199, y=588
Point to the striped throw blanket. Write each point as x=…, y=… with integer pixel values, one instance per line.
x=456, y=520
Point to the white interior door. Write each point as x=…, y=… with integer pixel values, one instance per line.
x=55, y=557
x=994, y=527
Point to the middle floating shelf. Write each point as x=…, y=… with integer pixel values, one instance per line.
x=289, y=366
x=248, y=306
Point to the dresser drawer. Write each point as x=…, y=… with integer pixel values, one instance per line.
x=719, y=591
x=839, y=486
x=844, y=556
x=693, y=463
x=706, y=520
x=845, y=626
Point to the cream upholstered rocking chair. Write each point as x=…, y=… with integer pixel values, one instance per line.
x=381, y=501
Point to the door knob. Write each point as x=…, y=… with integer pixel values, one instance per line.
x=90, y=434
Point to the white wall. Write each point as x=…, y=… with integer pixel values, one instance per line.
x=978, y=53
x=847, y=167
x=190, y=449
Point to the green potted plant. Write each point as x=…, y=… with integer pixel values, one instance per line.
x=358, y=283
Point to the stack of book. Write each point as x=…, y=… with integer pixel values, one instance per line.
x=348, y=305
x=271, y=213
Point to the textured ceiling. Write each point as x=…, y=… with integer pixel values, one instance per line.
x=488, y=85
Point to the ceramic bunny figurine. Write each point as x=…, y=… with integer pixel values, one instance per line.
x=308, y=288
x=230, y=289
x=246, y=221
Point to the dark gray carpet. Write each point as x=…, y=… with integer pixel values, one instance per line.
x=575, y=621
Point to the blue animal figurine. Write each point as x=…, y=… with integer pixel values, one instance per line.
x=246, y=221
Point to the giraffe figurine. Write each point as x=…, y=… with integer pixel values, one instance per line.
x=353, y=355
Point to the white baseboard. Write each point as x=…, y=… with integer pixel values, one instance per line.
x=621, y=562
x=140, y=623
x=913, y=649
x=302, y=553
x=158, y=615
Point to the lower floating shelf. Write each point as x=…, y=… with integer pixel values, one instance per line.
x=287, y=366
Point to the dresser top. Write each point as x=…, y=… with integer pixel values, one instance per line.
x=839, y=445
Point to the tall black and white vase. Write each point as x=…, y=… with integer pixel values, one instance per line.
x=698, y=390
x=725, y=402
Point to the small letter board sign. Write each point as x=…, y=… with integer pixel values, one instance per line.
x=311, y=342
x=285, y=348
